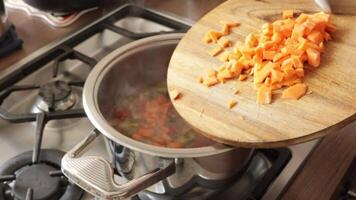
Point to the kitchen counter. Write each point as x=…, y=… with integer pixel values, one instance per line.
x=322, y=173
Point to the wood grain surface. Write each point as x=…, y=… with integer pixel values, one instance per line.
x=284, y=122
x=325, y=168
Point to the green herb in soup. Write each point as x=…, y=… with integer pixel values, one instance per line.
x=149, y=117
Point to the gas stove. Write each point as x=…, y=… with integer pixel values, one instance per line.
x=42, y=116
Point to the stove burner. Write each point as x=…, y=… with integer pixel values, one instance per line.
x=37, y=177
x=55, y=91
x=56, y=95
x=21, y=179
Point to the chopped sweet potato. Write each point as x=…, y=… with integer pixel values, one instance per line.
x=295, y=92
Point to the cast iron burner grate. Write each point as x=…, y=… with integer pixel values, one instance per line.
x=22, y=179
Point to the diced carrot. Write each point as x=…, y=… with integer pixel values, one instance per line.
x=267, y=29
x=251, y=40
x=278, y=56
x=137, y=136
x=237, y=68
x=248, y=52
x=215, y=51
x=298, y=31
x=276, y=38
x=276, y=76
x=175, y=94
x=226, y=74
x=301, y=18
x=222, y=67
x=232, y=103
x=327, y=36
x=210, y=81
x=291, y=81
x=309, y=26
x=268, y=55
x=268, y=45
x=226, y=29
x=299, y=72
x=175, y=145
x=200, y=79
x=287, y=64
x=223, y=42
x=316, y=37
x=313, y=57
x=207, y=39
x=215, y=35
x=261, y=75
x=232, y=24
x=275, y=56
x=264, y=95
x=267, y=81
x=212, y=73
x=224, y=57
x=242, y=77
x=295, y=92
x=288, y=14
x=297, y=63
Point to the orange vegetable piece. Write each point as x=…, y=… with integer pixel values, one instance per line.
x=276, y=76
x=297, y=63
x=261, y=75
x=316, y=37
x=224, y=57
x=210, y=81
x=175, y=94
x=175, y=145
x=223, y=42
x=226, y=29
x=288, y=14
x=207, y=39
x=226, y=74
x=232, y=103
x=264, y=95
x=295, y=92
x=268, y=55
x=313, y=57
x=275, y=56
x=212, y=73
x=200, y=79
x=216, y=51
x=301, y=18
x=237, y=68
x=214, y=35
x=242, y=77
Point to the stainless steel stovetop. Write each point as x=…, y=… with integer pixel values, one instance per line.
x=16, y=138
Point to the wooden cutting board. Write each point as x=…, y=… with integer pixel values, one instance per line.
x=331, y=105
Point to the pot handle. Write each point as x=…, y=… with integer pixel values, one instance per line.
x=95, y=174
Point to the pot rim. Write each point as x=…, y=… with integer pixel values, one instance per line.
x=90, y=104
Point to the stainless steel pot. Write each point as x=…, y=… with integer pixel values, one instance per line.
x=124, y=72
